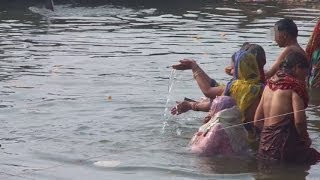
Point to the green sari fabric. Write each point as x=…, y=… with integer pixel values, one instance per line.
x=314, y=76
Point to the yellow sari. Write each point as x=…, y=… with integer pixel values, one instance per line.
x=246, y=85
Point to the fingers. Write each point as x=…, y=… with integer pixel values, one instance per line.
x=174, y=111
x=179, y=66
x=175, y=66
x=184, y=64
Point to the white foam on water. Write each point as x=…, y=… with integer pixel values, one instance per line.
x=42, y=11
x=107, y=163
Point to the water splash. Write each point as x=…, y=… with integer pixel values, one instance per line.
x=42, y=11
x=170, y=87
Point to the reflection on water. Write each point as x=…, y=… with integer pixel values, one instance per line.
x=89, y=83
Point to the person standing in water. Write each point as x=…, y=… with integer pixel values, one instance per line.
x=281, y=116
x=245, y=87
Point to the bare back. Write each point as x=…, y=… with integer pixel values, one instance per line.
x=276, y=103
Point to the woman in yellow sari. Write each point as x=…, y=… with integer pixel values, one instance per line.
x=245, y=87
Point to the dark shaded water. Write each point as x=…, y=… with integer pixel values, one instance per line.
x=89, y=84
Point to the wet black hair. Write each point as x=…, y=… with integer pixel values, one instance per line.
x=293, y=59
x=259, y=52
x=287, y=25
x=255, y=49
x=245, y=46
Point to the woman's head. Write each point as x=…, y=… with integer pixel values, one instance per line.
x=295, y=64
x=246, y=66
x=259, y=52
x=254, y=49
x=248, y=62
x=220, y=103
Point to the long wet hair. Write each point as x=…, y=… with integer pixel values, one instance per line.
x=293, y=59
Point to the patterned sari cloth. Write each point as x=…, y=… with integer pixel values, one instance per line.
x=247, y=83
x=313, y=54
x=222, y=135
x=281, y=141
x=215, y=138
x=314, y=75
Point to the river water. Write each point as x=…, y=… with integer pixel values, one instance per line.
x=86, y=90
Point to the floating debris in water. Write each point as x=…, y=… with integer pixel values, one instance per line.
x=55, y=68
x=259, y=11
x=196, y=38
x=109, y=98
x=107, y=163
x=223, y=34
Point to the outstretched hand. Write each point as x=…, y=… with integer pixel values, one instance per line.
x=181, y=107
x=185, y=64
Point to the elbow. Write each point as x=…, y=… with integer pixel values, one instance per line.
x=255, y=124
x=208, y=94
x=268, y=75
x=258, y=125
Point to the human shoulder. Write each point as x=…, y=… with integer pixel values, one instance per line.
x=289, y=49
x=293, y=48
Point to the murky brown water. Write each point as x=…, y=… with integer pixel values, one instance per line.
x=90, y=83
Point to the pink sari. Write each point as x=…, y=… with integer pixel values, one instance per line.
x=216, y=137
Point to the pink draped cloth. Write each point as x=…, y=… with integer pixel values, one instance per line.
x=217, y=137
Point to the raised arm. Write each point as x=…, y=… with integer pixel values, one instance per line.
x=205, y=84
x=202, y=78
x=300, y=119
x=192, y=64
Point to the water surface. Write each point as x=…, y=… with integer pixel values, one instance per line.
x=86, y=84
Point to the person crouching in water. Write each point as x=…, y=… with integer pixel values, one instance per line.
x=281, y=115
x=222, y=134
